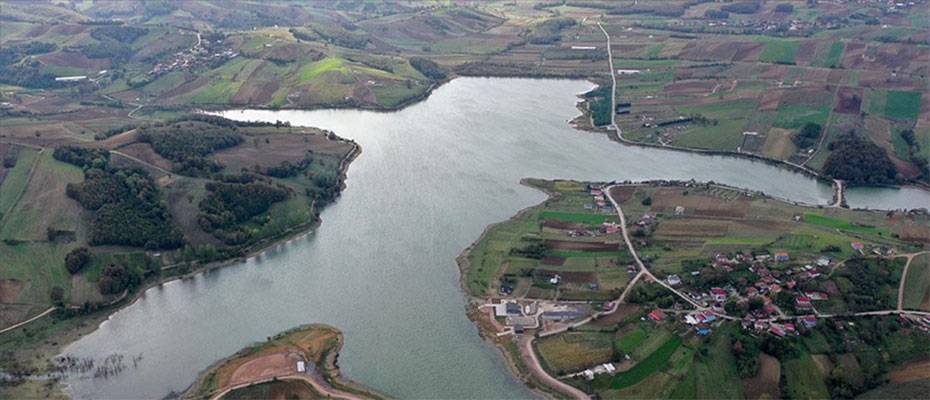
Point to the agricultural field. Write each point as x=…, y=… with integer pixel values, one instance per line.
x=716, y=219
x=566, y=236
x=705, y=235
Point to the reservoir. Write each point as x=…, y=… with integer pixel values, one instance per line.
x=381, y=267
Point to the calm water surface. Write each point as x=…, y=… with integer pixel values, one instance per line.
x=382, y=265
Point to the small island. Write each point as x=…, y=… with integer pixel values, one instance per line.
x=300, y=363
x=694, y=290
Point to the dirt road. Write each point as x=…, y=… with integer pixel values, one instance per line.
x=530, y=359
x=321, y=388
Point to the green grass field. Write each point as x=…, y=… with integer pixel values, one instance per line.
x=837, y=223
x=727, y=134
x=917, y=286
x=572, y=351
x=779, y=51
x=648, y=366
x=715, y=373
x=795, y=116
x=312, y=70
x=803, y=379
x=15, y=182
x=902, y=104
x=629, y=342
x=43, y=204
x=591, y=219
x=834, y=55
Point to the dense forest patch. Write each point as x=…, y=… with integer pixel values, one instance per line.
x=127, y=205
x=858, y=161
x=228, y=205
x=188, y=143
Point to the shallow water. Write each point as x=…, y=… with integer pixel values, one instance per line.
x=382, y=266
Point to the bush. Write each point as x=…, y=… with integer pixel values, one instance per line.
x=57, y=295
x=716, y=14
x=549, y=31
x=428, y=68
x=119, y=33
x=77, y=259
x=116, y=278
x=807, y=136
x=742, y=8
x=84, y=158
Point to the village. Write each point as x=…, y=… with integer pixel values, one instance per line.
x=765, y=289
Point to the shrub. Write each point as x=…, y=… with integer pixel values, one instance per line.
x=807, y=136
x=428, y=68
x=716, y=14
x=77, y=259
x=742, y=8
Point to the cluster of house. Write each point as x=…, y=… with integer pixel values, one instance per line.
x=197, y=55
x=780, y=329
x=600, y=201
x=770, y=282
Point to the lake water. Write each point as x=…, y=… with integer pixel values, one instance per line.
x=382, y=266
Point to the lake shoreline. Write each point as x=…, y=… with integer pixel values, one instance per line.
x=89, y=323
x=266, y=246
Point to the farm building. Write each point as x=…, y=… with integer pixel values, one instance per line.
x=657, y=315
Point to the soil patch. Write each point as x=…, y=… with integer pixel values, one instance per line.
x=666, y=200
x=910, y=372
x=9, y=290
x=264, y=367
x=849, y=100
x=765, y=383
x=565, y=225
x=622, y=193
x=581, y=246
x=623, y=311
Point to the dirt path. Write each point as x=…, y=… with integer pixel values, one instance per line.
x=613, y=86
x=19, y=324
x=910, y=257
x=321, y=388
x=159, y=169
x=530, y=359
